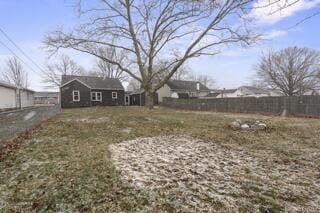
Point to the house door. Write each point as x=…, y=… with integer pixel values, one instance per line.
x=127, y=100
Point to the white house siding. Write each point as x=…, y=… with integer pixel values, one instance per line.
x=27, y=98
x=174, y=95
x=7, y=98
x=203, y=94
x=227, y=95
x=164, y=92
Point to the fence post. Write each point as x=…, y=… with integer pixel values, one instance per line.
x=285, y=107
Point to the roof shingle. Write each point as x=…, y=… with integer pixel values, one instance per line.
x=186, y=85
x=94, y=82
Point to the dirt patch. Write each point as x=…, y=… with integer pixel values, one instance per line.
x=206, y=175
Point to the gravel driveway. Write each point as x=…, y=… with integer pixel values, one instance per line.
x=14, y=123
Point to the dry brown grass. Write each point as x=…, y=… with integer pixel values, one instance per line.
x=67, y=166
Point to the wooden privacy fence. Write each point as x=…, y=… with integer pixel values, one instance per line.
x=283, y=105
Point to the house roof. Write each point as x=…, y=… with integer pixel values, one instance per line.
x=94, y=82
x=255, y=90
x=228, y=90
x=8, y=85
x=137, y=91
x=213, y=94
x=28, y=90
x=11, y=86
x=186, y=85
x=46, y=94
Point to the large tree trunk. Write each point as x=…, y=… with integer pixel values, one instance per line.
x=149, y=100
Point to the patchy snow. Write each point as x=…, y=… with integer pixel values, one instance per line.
x=89, y=120
x=29, y=115
x=202, y=173
x=126, y=130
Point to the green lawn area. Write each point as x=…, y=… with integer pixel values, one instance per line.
x=67, y=165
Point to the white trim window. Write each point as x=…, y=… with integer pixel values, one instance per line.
x=96, y=96
x=114, y=95
x=76, y=95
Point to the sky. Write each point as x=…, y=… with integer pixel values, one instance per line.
x=26, y=22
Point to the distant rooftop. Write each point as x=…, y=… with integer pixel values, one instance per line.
x=46, y=94
x=186, y=85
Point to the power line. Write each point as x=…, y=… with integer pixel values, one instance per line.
x=3, y=44
x=20, y=49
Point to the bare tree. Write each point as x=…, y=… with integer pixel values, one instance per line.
x=133, y=85
x=155, y=30
x=183, y=73
x=15, y=73
x=107, y=69
x=64, y=66
x=206, y=80
x=293, y=70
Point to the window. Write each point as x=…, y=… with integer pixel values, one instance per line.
x=114, y=95
x=96, y=96
x=76, y=95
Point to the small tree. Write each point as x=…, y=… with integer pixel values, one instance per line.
x=15, y=73
x=64, y=66
x=293, y=70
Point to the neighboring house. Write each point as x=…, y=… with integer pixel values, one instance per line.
x=8, y=96
x=312, y=92
x=12, y=98
x=212, y=95
x=227, y=93
x=46, y=98
x=137, y=98
x=27, y=97
x=247, y=91
x=178, y=89
x=86, y=91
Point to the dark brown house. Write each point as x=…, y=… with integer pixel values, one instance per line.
x=86, y=91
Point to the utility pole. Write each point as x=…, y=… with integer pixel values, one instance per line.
x=19, y=94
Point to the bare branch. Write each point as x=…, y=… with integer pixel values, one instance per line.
x=153, y=31
x=293, y=70
x=15, y=73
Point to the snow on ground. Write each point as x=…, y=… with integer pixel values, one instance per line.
x=89, y=120
x=29, y=115
x=202, y=173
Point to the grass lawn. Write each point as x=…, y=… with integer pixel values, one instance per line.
x=68, y=165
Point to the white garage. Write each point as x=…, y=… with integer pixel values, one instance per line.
x=11, y=97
